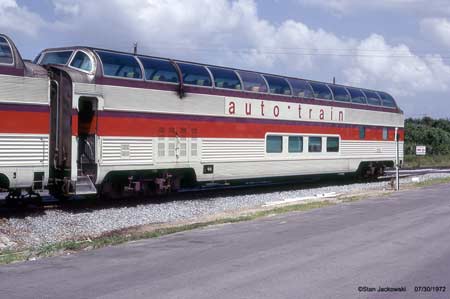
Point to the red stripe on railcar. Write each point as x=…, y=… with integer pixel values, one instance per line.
x=24, y=122
x=75, y=123
x=122, y=125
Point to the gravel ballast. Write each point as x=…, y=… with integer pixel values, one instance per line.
x=55, y=225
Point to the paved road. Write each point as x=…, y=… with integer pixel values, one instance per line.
x=399, y=241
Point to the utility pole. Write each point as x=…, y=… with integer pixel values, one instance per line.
x=334, y=80
x=397, y=161
x=135, y=45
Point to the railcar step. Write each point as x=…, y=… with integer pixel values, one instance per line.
x=85, y=186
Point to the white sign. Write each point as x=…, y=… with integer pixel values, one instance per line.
x=421, y=150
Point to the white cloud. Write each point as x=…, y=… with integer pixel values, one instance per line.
x=232, y=33
x=397, y=68
x=16, y=18
x=66, y=7
x=437, y=29
x=420, y=7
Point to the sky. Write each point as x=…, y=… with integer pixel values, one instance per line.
x=398, y=46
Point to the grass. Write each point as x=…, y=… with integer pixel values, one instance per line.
x=353, y=198
x=119, y=237
x=412, y=161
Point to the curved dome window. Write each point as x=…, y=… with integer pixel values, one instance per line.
x=6, y=56
x=82, y=61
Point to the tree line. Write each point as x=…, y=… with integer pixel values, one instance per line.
x=433, y=133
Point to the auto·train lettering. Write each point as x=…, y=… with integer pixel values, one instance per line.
x=283, y=110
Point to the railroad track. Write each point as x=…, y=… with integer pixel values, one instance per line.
x=207, y=192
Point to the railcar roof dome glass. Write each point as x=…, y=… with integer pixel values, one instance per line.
x=159, y=70
x=82, y=61
x=278, y=85
x=224, y=78
x=340, y=93
x=357, y=96
x=321, y=91
x=120, y=65
x=59, y=57
x=301, y=88
x=194, y=74
x=253, y=81
x=5, y=52
x=388, y=100
x=372, y=98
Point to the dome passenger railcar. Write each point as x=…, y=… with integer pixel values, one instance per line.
x=24, y=123
x=152, y=125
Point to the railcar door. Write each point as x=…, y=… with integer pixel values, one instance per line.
x=87, y=140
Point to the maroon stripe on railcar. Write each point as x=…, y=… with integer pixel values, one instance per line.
x=12, y=71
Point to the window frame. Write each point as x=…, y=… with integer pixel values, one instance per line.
x=321, y=145
x=119, y=77
x=380, y=93
x=351, y=98
x=196, y=64
x=282, y=78
x=306, y=83
x=302, y=137
x=338, y=144
x=321, y=83
x=266, y=143
x=42, y=55
x=161, y=59
x=228, y=69
x=12, y=53
x=93, y=61
x=385, y=134
x=250, y=91
x=362, y=129
x=331, y=86
x=367, y=98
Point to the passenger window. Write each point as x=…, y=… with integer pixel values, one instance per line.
x=224, y=78
x=274, y=144
x=315, y=144
x=159, y=70
x=120, y=65
x=278, y=85
x=253, y=82
x=82, y=61
x=6, y=56
x=388, y=101
x=340, y=93
x=56, y=57
x=385, y=134
x=357, y=96
x=301, y=88
x=372, y=98
x=362, y=132
x=194, y=74
x=321, y=91
x=332, y=144
x=295, y=144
